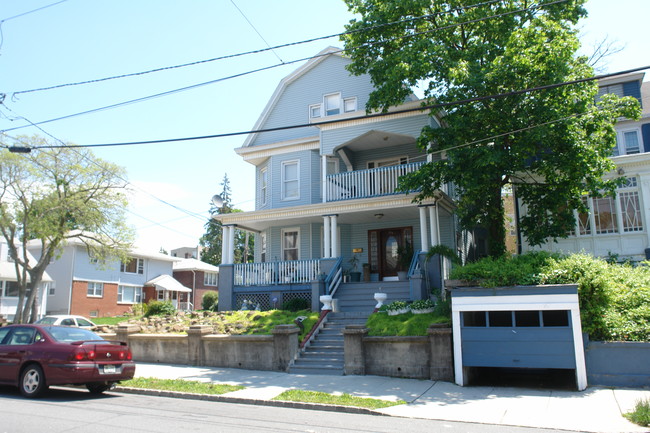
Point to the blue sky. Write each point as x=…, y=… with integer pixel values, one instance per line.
x=79, y=40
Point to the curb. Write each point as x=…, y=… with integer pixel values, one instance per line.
x=250, y=401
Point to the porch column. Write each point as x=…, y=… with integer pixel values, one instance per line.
x=433, y=220
x=231, y=245
x=224, y=244
x=323, y=159
x=424, y=235
x=326, y=237
x=333, y=233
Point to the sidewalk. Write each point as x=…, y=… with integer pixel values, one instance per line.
x=594, y=410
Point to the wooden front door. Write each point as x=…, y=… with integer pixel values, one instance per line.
x=382, y=247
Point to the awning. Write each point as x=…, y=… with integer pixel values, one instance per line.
x=167, y=283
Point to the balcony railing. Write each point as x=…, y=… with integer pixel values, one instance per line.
x=373, y=182
x=273, y=273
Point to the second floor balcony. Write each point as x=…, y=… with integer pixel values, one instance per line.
x=368, y=183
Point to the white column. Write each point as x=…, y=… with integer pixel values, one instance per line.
x=324, y=176
x=433, y=221
x=326, y=238
x=424, y=234
x=334, y=234
x=224, y=244
x=231, y=245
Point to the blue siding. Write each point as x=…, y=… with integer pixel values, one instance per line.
x=292, y=107
x=632, y=88
x=307, y=177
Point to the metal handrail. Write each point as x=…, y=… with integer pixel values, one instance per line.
x=333, y=279
x=415, y=264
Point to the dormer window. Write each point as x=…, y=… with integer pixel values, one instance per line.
x=332, y=105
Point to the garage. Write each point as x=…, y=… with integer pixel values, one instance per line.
x=522, y=327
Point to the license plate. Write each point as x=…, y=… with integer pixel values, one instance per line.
x=109, y=369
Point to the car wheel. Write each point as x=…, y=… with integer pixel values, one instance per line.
x=98, y=388
x=32, y=381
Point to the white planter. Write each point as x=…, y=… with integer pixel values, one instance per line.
x=396, y=312
x=423, y=311
x=327, y=302
x=380, y=298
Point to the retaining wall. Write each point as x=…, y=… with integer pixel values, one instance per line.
x=625, y=364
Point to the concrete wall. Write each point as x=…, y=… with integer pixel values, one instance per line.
x=618, y=364
x=427, y=357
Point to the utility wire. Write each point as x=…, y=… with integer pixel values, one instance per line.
x=23, y=14
x=256, y=31
x=262, y=50
x=369, y=116
x=194, y=86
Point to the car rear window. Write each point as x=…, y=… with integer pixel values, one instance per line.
x=47, y=321
x=64, y=334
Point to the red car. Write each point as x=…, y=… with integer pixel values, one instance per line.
x=33, y=357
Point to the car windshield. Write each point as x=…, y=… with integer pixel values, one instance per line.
x=64, y=334
x=46, y=321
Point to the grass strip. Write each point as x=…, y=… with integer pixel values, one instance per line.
x=301, y=396
x=641, y=413
x=181, y=385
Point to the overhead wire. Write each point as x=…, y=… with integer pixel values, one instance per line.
x=23, y=14
x=256, y=31
x=194, y=86
x=258, y=51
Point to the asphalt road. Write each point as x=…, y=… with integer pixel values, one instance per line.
x=67, y=410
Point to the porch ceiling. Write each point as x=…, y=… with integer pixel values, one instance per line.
x=349, y=212
x=376, y=140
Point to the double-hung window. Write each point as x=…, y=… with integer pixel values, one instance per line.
x=290, y=244
x=210, y=278
x=129, y=294
x=133, y=266
x=332, y=104
x=290, y=180
x=264, y=178
x=630, y=142
x=95, y=289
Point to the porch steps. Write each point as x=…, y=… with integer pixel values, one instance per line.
x=359, y=297
x=325, y=354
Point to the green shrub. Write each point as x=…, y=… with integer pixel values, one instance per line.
x=296, y=304
x=139, y=309
x=209, y=299
x=160, y=308
x=641, y=413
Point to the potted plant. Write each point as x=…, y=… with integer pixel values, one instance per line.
x=355, y=275
x=404, y=258
x=422, y=306
x=397, y=307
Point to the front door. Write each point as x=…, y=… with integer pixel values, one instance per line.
x=383, y=245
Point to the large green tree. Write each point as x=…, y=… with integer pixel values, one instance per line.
x=50, y=196
x=553, y=144
x=212, y=240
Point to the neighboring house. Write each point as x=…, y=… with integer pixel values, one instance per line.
x=85, y=287
x=199, y=276
x=9, y=286
x=326, y=197
x=187, y=252
x=619, y=226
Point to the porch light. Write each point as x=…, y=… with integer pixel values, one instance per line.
x=379, y=216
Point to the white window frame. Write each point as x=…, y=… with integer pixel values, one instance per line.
x=338, y=109
x=139, y=266
x=95, y=289
x=283, y=249
x=398, y=160
x=285, y=181
x=137, y=294
x=350, y=101
x=622, y=144
x=315, y=111
x=264, y=185
x=332, y=160
x=210, y=279
x=263, y=238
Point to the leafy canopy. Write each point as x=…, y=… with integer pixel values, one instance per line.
x=553, y=144
x=50, y=196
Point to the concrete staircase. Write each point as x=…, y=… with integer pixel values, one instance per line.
x=325, y=353
x=355, y=303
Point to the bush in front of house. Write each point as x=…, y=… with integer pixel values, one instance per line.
x=160, y=308
x=210, y=300
x=614, y=298
x=296, y=304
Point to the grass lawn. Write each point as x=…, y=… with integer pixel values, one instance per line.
x=298, y=395
x=111, y=320
x=407, y=324
x=180, y=385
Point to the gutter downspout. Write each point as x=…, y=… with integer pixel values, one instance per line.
x=74, y=256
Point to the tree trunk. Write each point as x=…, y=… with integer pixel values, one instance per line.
x=496, y=225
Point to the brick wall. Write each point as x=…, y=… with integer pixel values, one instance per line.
x=106, y=306
x=194, y=279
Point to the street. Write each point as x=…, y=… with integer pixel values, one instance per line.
x=67, y=409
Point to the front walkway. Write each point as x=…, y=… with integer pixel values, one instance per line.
x=594, y=410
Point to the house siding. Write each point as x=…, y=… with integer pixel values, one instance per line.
x=106, y=306
x=305, y=165
x=292, y=107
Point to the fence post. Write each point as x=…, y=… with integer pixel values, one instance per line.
x=123, y=332
x=440, y=352
x=195, y=352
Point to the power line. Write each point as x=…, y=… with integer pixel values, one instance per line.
x=23, y=14
x=262, y=50
x=370, y=116
x=194, y=86
x=256, y=31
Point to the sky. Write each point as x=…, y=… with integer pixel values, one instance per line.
x=52, y=42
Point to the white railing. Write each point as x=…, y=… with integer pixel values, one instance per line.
x=367, y=183
x=272, y=273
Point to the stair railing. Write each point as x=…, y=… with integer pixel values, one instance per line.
x=415, y=264
x=334, y=278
